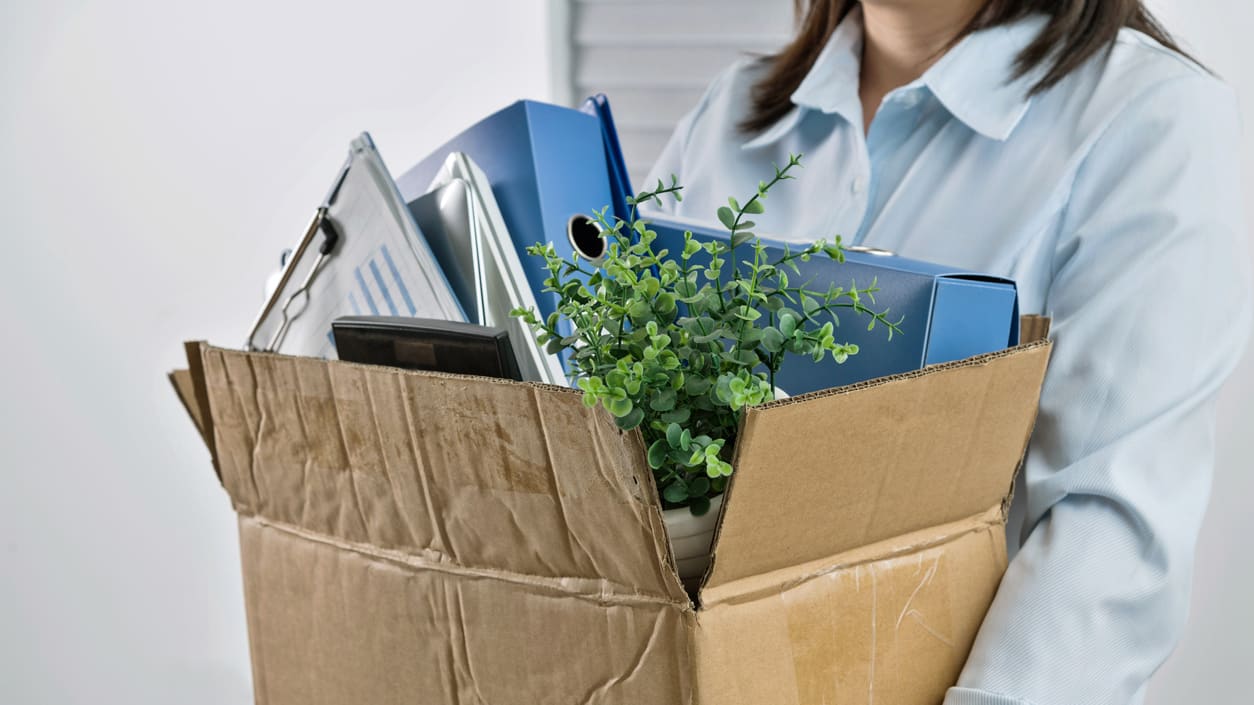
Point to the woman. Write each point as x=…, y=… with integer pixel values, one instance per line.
x=1070, y=145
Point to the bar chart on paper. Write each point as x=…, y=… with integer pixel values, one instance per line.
x=375, y=287
x=371, y=260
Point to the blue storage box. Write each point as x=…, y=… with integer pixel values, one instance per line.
x=948, y=314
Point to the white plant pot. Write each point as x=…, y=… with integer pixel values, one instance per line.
x=691, y=537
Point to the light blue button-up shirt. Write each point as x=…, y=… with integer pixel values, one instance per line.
x=1113, y=200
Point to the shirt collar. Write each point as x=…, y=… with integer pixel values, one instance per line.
x=974, y=80
x=831, y=86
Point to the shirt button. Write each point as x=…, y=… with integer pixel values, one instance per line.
x=858, y=185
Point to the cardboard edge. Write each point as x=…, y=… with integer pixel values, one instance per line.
x=743, y=430
x=588, y=589
x=652, y=498
x=185, y=389
x=754, y=587
x=973, y=361
x=195, y=350
x=1033, y=328
x=207, y=347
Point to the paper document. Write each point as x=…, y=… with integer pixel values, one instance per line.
x=368, y=258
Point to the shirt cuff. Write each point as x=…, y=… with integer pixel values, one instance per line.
x=970, y=696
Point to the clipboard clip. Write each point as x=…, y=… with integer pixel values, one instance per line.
x=295, y=302
x=292, y=306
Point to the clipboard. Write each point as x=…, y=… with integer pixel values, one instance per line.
x=469, y=236
x=362, y=254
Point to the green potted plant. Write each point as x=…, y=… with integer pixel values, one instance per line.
x=677, y=344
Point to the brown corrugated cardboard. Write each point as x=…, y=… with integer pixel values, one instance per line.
x=185, y=388
x=413, y=537
x=1033, y=328
x=872, y=461
x=888, y=623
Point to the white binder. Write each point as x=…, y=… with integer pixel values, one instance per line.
x=467, y=232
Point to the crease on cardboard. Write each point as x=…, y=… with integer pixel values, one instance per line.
x=462, y=638
x=875, y=603
x=639, y=663
x=386, y=464
x=601, y=592
x=895, y=627
x=236, y=431
x=438, y=464
x=341, y=625
x=757, y=586
x=572, y=538
x=932, y=446
x=358, y=511
x=924, y=581
x=435, y=529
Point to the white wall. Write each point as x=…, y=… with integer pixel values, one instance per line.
x=154, y=156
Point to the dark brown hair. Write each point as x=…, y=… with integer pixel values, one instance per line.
x=1075, y=31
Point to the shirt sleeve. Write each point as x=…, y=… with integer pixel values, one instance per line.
x=1151, y=309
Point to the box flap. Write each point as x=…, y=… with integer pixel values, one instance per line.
x=181, y=380
x=879, y=625
x=197, y=403
x=823, y=473
x=470, y=472
x=1033, y=328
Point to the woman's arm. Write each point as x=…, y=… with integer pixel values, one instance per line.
x=1151, y=309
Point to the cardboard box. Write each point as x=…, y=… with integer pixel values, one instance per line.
x=410, y=537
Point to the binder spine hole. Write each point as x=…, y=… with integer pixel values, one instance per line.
x=585, y=236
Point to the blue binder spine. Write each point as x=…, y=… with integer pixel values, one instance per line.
x=547, y=168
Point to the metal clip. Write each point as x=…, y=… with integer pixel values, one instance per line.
x=331, y=237
x=869, y=250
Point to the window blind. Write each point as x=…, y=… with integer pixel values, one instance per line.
x=654, y=58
